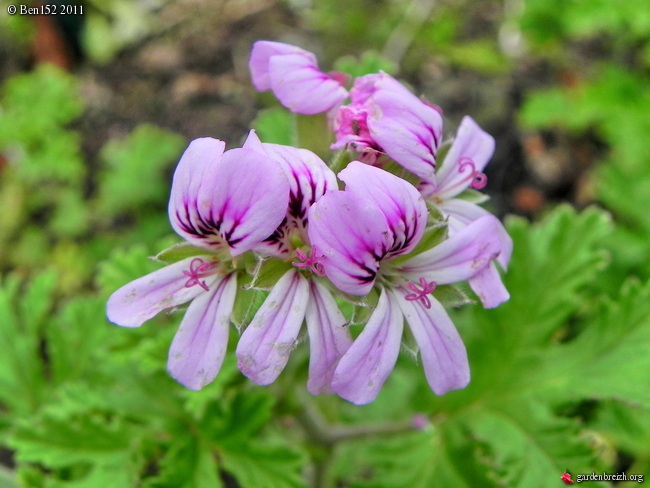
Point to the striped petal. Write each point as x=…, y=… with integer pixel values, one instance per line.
x=264, y=347
x=461, y=213
x=363, y=369
x=309, y=178
x=329, y=338
x=199, y=346
x=469, y=154
x=399, y=201
x=260, y=57
x=460, y=257
x=140, y=300
x=301, y=87
x=489, y=287
x=406, y=128
x=442, y=351
x=235, y=199
x=353, y=235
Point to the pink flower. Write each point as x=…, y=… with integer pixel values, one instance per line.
x=366, y=234
x=265, y=345
x=462, y=169
x=293, y=75
x=224, y=203
x=385, y=117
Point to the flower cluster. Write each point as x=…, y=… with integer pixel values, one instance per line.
x=381, y=242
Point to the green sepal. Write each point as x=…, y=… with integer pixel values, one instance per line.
x=267, y=273
x=178, y=252
x=340, y=160
x=398, y=170
x=451, y=296
x=247, y=302
x=435, y=214
x=362, y=312
x=473, y=196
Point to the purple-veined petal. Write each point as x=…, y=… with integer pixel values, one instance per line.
x=441, y=348
x=407, y=129
x=240, y=200
x=201, y=157
x=368, y=85
x=468, y=155
x=459, y=257
x=309, y=179
x=139, y=300
x=260, y=57
x=199, y=346
x=462, y=213
x=487, y=284
x=308, y=175
x=399, y=201
x=363, y=369
x=301, y=87
x=264, y=347
x=353, y=235
x=329, y=339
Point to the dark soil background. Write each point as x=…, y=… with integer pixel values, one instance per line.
x=189, y=74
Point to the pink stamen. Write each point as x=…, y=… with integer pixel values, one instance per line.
x=198, y=269
x=312, y=262
x=421, y=295
x=479, y=180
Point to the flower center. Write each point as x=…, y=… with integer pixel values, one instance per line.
x=199, y=269
x=479, y=180
x=421, y=294
x=312, y=262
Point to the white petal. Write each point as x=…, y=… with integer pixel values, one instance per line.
x=365, y=366
x=329, y=338
x=200, y=344
x=265, y=345
x=441, y=348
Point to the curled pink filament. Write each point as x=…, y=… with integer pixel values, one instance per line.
x=198, y=269
x=312, y=262
x=421, y=295
x=479, y=180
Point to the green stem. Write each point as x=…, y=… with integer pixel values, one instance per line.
x=328, y=436
x=339, y=161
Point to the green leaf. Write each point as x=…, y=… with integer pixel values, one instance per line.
x=187, y=464
x=265, y=466
x=610, y=358
x=417, y=459
x=22, y=370
x=233, y=420
x=529, y=446
x=178, y=252
x=142, y=157
x=124, y=265
x=75, y=348
x=275, y=125
x=103, y=446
